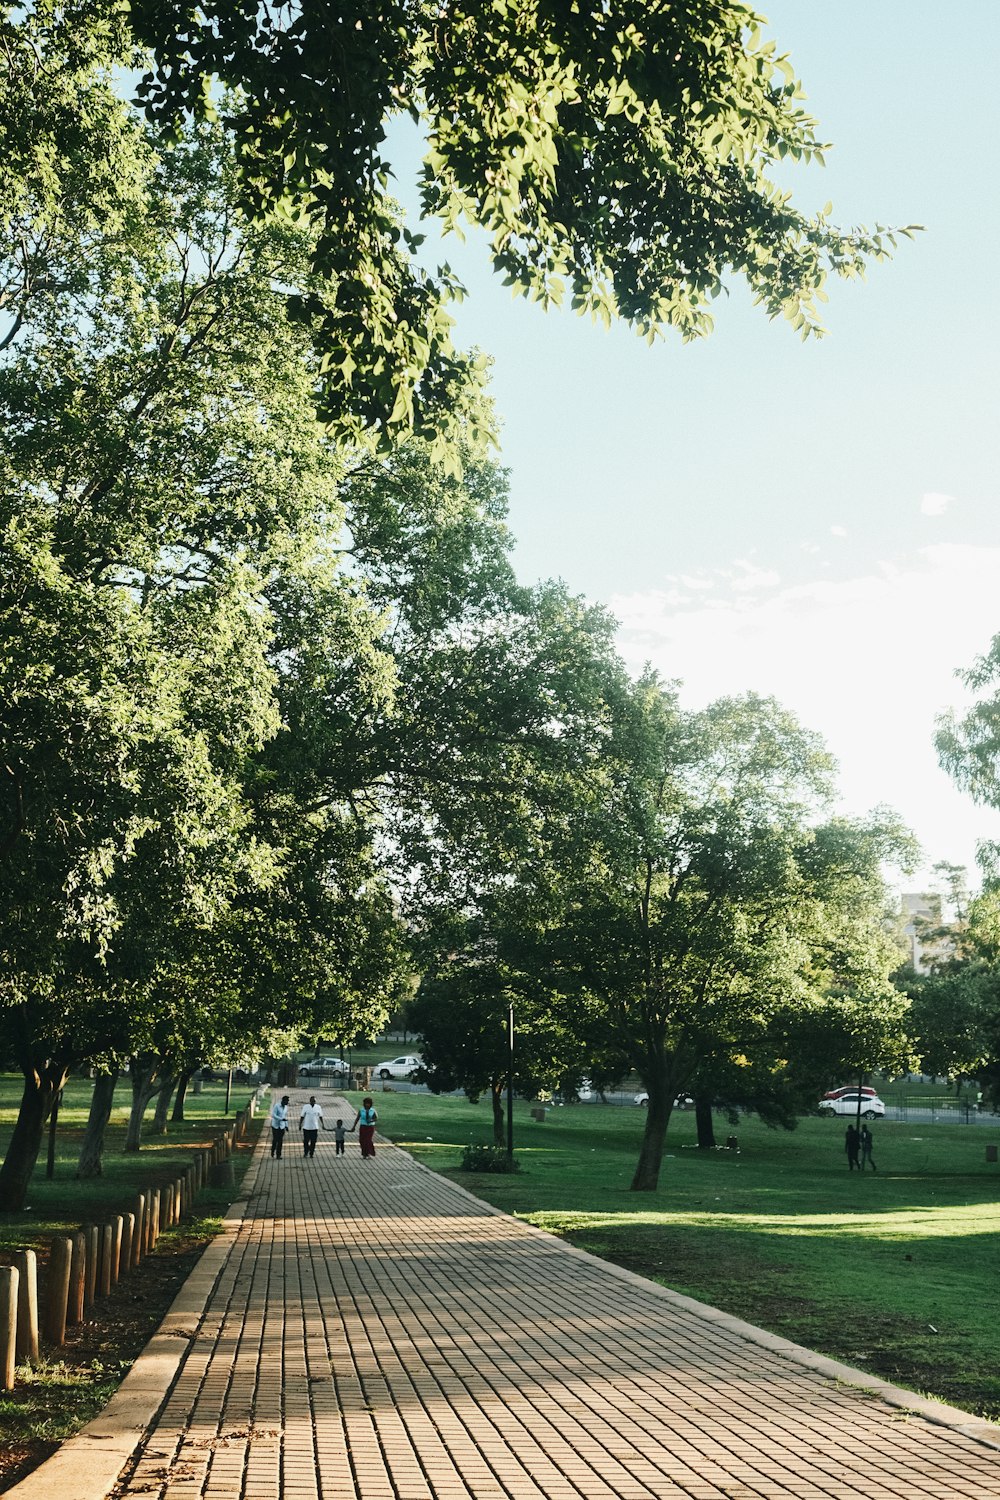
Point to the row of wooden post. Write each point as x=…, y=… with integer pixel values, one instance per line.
x=85, y=1266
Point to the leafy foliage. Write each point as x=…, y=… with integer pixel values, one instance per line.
x=488, y=1159
x=617, y=156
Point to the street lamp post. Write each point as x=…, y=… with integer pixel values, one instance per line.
x=510, y=1083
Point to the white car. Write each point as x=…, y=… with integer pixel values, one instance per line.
x=683, y=1101
x=584, y=1093
x=872, y=1107
x=397, y=1067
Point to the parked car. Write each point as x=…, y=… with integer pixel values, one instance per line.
x=334, y=1066
x=683, y=1101
x=872, y=1107
x=583, y=1094
x=398, y=1067
x=850, y=1088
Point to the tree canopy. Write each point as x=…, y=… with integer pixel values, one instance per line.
x=615, y=156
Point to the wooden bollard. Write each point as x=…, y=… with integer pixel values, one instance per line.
x=90, y=1279
x=26, y=1262
x=77, y=1279
x=139, y=1237
x=148, y=1232
x=128, y=1230
x=57, y=1290
x=153, y=1215
x=198, y=1168
x=116, y=1248
x=9, y=1279
x=190, y=1191
x=107, y=1245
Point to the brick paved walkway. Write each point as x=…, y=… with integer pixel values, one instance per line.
x=377, y=1334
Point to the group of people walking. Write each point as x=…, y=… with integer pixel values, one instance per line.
x=858, y=1145
x=311, y=1123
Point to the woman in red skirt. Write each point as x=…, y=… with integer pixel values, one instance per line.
x=365, y=1121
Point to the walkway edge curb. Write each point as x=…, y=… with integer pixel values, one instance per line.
x=977, y=1429
x=87, y=1465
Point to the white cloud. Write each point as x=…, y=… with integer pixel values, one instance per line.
x=838, y=530
x=935, y=504
x=868, y=662
x=751, y=576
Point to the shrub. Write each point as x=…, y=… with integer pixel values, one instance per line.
x=488, y=1159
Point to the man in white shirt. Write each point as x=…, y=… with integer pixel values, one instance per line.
x=310, y=1120
x=279, y=1124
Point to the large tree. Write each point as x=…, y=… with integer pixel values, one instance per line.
x=708, y=898
x=968, y=744
x=956, y=1005
x=162, y=468
x=618, y=155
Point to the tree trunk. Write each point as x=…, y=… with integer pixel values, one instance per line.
x=647, y=1170
x=177, y=1117
x=703, y=1120
x=41, y=1088
x=92, y=1150
x=144, y=1086
x=163, y=1099
x=496, y=1098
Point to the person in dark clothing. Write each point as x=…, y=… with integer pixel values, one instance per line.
x=866, y=1149
x=852, y=1143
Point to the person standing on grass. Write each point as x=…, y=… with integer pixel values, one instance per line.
x=364, y=1120
x=866, y=1149
x=310, y=1120
x=279, y=1124
x=851, y=1144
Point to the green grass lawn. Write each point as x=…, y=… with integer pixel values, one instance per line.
x=63, y=1203
x=895, y=1272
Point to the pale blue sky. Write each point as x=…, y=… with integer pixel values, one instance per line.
x=815, y=520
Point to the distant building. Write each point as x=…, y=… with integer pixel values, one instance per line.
x=921, y=915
